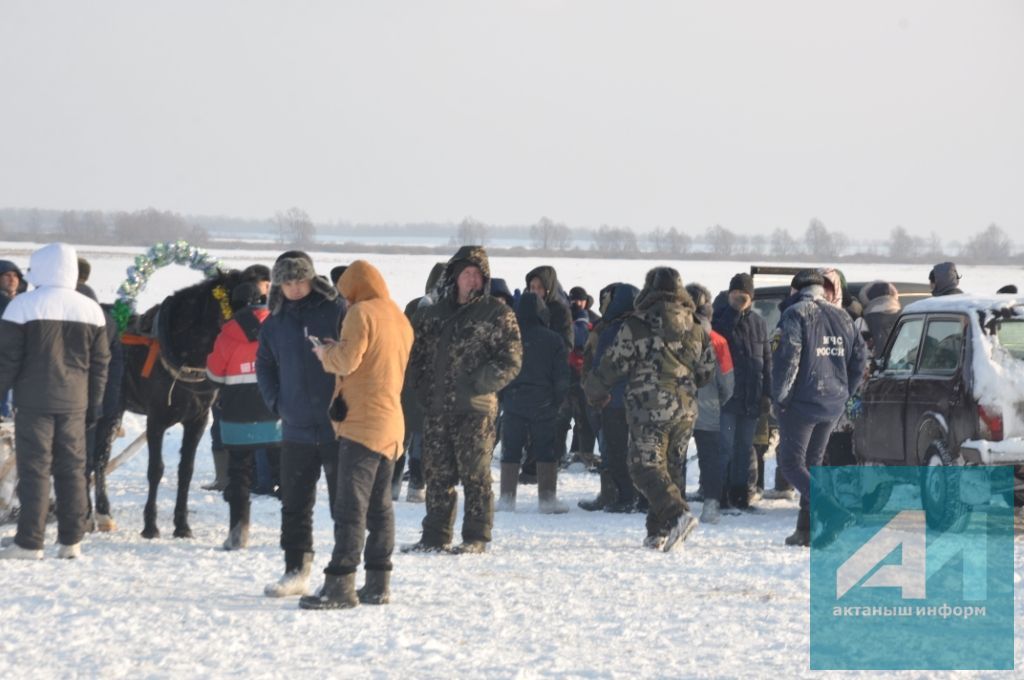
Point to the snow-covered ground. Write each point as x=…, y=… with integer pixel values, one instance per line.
x=556, y=596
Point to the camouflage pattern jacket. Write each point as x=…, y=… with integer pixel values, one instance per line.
x=664, y=354
x=463, y=354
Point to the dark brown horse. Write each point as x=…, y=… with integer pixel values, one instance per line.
x=165, y=353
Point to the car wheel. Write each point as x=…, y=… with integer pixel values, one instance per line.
x=940, y=490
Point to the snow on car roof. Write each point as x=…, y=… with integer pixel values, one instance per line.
x=964, y=303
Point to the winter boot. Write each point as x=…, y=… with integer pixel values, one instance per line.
x=422, y=546
x=338, y=592
x=710, y=514
x=547, y=490
x=13, y=551
x=801, y=537
x=470, y=547
x=679, y=531
x=238, y=537
x=220, y=467
x=295, y=581
x=377, y=589
x=779, y=494
x=69, y=552
x=608, y=494
x=509, y=482
x=415, y=495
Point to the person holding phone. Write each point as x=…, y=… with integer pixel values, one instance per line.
x=304, y=309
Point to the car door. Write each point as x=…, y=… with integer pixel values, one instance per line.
x=936, y=387
x=879, y=432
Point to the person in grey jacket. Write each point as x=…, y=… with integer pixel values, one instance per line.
x=54, y=351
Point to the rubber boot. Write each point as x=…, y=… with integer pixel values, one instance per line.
x=338, y=592
x=801, y=537
x=220, y=467
x=509, y=482
x=547, y=490
x=608, y=494
x=377, y=589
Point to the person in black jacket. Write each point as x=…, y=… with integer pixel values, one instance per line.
x=530, y=404
x=296, y=388
x=747, y=335
x=944, y=279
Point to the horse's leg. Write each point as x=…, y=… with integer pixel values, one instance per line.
x=155, y=440
x=106, y=432
x=193, y=432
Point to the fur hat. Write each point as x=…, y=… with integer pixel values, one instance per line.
x=742, y=282
x=294, y=265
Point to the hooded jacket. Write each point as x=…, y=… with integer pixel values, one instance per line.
x=463, y=354
x=543, y=381
x=881, y=309
x=245, y=420
x=662, y=351
x=557, y=301
x=946, y=279
x=54, y=349
x=750, y=347
x=819, y=358
x=292, y=381
x=5, y=267
x=603, y=335
x=369, y=361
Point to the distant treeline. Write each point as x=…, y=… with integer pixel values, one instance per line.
x=294, y=228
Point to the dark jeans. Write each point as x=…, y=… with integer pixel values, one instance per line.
x=839, y=450
x=738, y=442
x=536, y=436
x=300, y=471
x=583, y=432
x=236, y=493
x=712, y=462
x=801, y=447
x=615, y=450
x=363, y=505
x=268, y=470
x=46, y=443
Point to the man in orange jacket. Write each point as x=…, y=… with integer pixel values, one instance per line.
x=369, y=361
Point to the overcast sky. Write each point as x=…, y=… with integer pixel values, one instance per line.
x=749, y=113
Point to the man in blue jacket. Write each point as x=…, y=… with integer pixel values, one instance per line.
x=746, y=331
x=818, y=362
x=295, y=387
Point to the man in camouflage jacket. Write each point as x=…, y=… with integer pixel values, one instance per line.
x=467, y=347
x=665, y=355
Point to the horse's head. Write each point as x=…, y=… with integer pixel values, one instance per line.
x=191, y=318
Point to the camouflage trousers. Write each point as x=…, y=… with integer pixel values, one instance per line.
x=657, y=453
x=458, y=448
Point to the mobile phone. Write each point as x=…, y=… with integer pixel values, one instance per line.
x=315, y=341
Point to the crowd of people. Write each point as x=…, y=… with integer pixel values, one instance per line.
x=330, y=376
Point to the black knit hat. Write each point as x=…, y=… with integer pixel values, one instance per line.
x=742, y=282
x=336, y=273
x=577, y=293
x=807, y=277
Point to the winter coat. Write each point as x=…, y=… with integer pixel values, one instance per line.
x=291, y=379
x=54, y=348
x=749, y=344
x=411, y=408
x=881, y=309
x=8, y=266
x=370, y=361
x=543, y=381
x=819, y=358
x=663, y=352
x=713, y=396
x=603, y=335
x=463, y=354
x=556, y=300
x=245, y=421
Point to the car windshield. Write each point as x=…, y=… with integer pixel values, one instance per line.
x=1010, y=333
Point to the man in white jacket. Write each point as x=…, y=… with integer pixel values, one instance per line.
x=54, y=352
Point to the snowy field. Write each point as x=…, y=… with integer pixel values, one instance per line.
x=564, y=596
